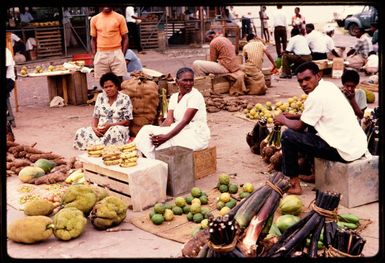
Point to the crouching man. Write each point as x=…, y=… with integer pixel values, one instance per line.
x=327, y=128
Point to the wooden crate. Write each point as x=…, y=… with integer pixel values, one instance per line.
x=141, y=186
x=205, y=162
x=77, y=89
x=368, y=86
x=49, y=42
x=149, y=35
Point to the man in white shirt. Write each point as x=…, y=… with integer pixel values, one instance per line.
x=133, y=22
x=10, y=78
x=333, y=132
x=316, y=42
x=331, y=49
x=280, y=34
x=358, y=54
x=297, y=52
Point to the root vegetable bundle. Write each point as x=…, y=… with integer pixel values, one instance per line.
x=216, y=103
x=323, y=216
x=255, y=137
x=271, y=144
x=346, y=243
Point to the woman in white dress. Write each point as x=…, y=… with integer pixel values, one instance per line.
x=186, y=122
x=111, y=117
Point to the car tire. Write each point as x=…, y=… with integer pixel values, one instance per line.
x=351, y=28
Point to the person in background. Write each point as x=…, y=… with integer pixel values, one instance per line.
x=371, y=66
x=331, y=50
x=264, y=24
x=109, y=43
x=25, y=16
x=10, y=81
x=327, y=127
x=280, y=33
x=133, y=22
x=246, y=26
x=254, y=50
x=296, y=53
x=133, y=62
x=222, y=56
x=298, y=21
x=186, y=122
x=316, y=42
x=18, y=45
x=358, y=54
x=374, y=30
x=111, y=117
x=69, y=35
x=356, y=97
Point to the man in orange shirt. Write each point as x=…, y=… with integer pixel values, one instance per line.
x=222, y=56
x=109, y=43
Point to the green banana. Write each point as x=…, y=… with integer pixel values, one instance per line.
x=349, y=218
x=345, y=225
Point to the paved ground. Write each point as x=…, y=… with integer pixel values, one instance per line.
x=53, y=130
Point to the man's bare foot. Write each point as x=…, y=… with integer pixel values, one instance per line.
x=307, y=178
x=295, y=187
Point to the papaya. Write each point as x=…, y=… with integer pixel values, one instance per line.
x=45, y=164
x=29, y=173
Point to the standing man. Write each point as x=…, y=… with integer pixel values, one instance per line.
x=10, y=78
x=109, y=43
x=70, y=37
x=298, y=21
x=280, y=34
x=333, y=132
x=264, y=24
x=316, y=42
x=133, y=22
x=358, y=54
x=222, y=56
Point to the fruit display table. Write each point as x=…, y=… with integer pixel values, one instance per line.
x=141, y=186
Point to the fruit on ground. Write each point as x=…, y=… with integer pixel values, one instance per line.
x=197, y=218
x=291, y=204
x=204, y=223
x=151, y=214
x=223, y=188
x=168, y=215
x=243, y=194
x=285, y=221
x=29, y=173
x=225, y=210
x=225, y=197
x=157, y=219
x=196, y=201
x=159, y=208
x=196, y=192
x=186, y=209
x=220, y=205
x=231, y=203
x=248, y=187
x=177, y=210
x=224, y=179
x=190, y=216
x=38, y=207
x=233, y=188
x=30, y=229
x=195, y=208
x=180, y=201
x=204, y=200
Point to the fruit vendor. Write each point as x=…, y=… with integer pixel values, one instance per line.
x=358, y=54
x=111, y=117
x=327, y=127
x=109, y=43
x=186, y=122
x=356, y=97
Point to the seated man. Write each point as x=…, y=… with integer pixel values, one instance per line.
x=133, y=62
x=331, y=49
x=337, y=137
x=358, y=54
x=316, y=42
x=371, y=65
x=297, y=52
x=222, y=56
x=356, y=97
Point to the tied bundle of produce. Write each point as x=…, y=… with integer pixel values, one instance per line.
x=223, y=236
x=323, y=216
x=95, y=150
x=371, y=128
x=272, y=145
x=111, y=155
x=129, y=155
x=255, y=137
x=256, y=214
x=346, y=243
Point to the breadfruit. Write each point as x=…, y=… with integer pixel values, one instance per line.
x=82, y=197
x=38, y=207
x=30, y=229
x=101, y=193
x=69, y=223
x=109, y=212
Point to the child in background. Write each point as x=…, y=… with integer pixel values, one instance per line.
x=356, y=97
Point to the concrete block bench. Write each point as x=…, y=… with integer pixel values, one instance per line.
x=357, y=181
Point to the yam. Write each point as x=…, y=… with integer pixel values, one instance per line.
x=48, y=156
x=51, y=178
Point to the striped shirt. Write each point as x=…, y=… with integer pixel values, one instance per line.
x=253, y=53
x=363, y=46
x=223, y=51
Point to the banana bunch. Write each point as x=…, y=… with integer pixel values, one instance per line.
x=76, y=177
x=348, y=221
x=111, y=155
x=95, y=150
x=129, y=155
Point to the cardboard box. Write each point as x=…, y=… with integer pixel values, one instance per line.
x=338, y=68
x=205, y=162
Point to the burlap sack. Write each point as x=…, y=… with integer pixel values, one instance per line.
x=254, y=80
x=145, y=100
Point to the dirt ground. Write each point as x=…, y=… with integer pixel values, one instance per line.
x=53, y=130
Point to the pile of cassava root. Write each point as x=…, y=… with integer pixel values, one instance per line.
x=20, y=156
x=217, y=102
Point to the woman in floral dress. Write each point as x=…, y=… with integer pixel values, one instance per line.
x=111, y=116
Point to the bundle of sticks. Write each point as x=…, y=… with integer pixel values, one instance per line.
x=346, y=243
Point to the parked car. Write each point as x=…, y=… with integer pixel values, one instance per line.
x=341, y=14
x=364, y=19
